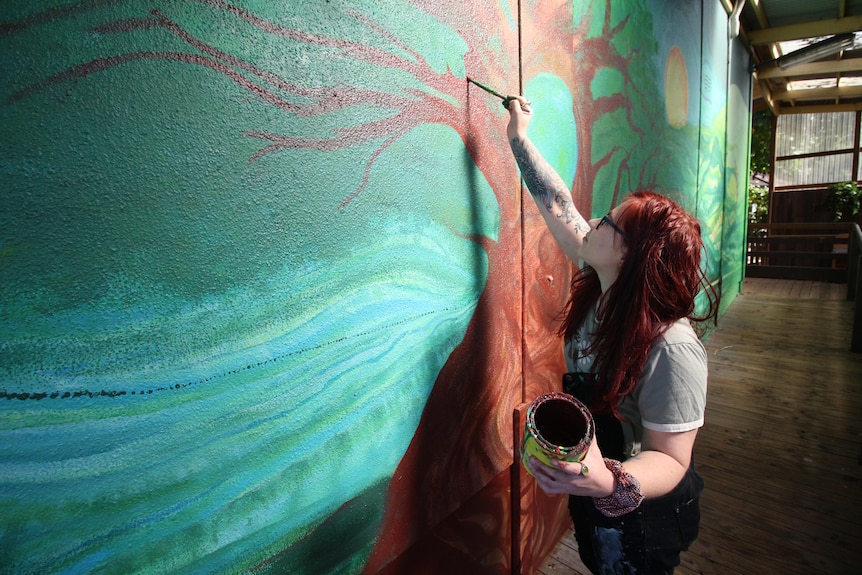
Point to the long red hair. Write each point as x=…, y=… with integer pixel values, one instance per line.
x=659, y=280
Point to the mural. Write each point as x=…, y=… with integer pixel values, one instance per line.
x=712, y=142
x=735, y=220
x=269, y=288
x=223, y=309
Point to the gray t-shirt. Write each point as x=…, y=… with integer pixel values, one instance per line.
x=671, y=393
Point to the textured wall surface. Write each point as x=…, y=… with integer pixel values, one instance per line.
x=270, y=290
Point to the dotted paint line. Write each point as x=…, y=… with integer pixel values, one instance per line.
x=114, y=393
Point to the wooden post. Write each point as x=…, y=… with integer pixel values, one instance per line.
x=772, y=151
x=856, y=150
x=854, y=284
x=854, y=251
x=856, y=341
x=518, y=418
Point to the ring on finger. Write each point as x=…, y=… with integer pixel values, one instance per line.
x=584, y=470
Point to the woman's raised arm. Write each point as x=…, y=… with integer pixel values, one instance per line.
x=552, y=196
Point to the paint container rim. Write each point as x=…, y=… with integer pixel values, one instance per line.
x=560, y=451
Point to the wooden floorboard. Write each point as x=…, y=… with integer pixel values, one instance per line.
x=781, y=451
x=798, y=289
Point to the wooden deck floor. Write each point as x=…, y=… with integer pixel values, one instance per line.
x=781, y=451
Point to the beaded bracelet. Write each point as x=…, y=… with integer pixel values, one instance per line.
x=627, y=494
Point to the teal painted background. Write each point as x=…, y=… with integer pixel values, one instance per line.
x=209, y=346
x=239, y=242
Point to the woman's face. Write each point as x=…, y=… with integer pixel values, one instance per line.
x=604, y=246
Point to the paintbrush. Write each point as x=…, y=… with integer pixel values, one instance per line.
x=506, y=99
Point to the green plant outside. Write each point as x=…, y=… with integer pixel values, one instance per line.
x=844, y=201
x=758, y=204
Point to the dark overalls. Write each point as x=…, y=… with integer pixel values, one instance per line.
x=646, y=541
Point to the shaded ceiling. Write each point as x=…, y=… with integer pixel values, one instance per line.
x=773, y=28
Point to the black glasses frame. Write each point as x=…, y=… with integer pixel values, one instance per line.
x=606, y=219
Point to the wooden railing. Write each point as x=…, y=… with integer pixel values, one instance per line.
x=813, y=251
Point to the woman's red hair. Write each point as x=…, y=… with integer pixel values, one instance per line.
x=659, y=279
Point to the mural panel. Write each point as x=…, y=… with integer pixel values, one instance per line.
x=240, y=244
x=713, y=133
x=549, y=83
x=735, y=222
x=269, y=280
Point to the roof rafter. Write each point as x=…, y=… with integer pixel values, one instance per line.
x=806, y=30
x=820, y=108
x=811, y=69
x=818, y=93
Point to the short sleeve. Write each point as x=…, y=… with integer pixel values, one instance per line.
x=672, y=394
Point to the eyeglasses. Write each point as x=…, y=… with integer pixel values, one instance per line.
x=606, y=219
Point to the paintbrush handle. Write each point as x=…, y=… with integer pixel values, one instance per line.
x=506, y=99
x=487, y=89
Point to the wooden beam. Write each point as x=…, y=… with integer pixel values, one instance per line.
x=766, y=94
x=797, y=273
x=818, y=108
x=806, y=30
x=827, y=68
x=818, y=93
x=761, y=15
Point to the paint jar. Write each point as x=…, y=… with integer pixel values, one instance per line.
x=558, y=427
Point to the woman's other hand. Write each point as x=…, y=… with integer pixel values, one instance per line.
x=589, y=478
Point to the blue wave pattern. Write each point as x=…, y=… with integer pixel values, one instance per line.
x=276, y=435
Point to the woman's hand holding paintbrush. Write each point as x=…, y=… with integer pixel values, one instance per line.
x=519, y=119
x=525, y=105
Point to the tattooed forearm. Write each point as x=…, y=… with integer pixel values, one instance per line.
x=546, y=185
x=537, y=174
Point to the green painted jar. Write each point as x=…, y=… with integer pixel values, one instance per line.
x=558, y=427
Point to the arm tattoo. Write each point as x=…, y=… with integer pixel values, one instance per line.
x=581, y=225
x=544, y=184
x=535, y=172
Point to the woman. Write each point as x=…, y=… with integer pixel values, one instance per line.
x=635, y=360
